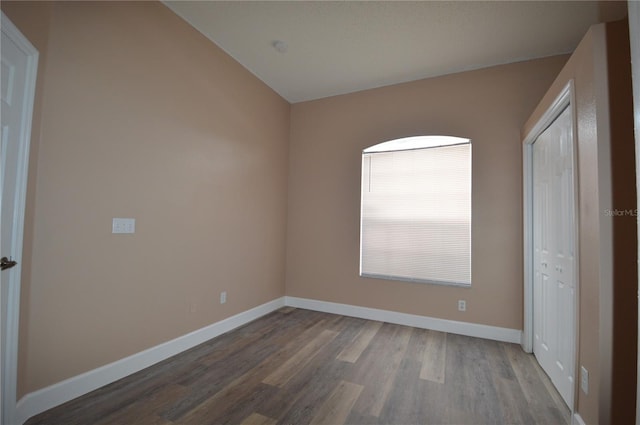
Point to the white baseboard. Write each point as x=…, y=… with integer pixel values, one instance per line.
x=61, y=392
x=39, y=401
x=577, y=420
x=423, y=322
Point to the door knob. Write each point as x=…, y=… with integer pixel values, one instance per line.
x=6, y=263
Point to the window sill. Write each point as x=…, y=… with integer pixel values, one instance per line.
x=413, y=280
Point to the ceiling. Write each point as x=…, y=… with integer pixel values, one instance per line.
x=345, y=46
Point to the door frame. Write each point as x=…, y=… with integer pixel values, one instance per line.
x=565, y=99
x=10, y=356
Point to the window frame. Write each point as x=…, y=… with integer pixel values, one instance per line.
x=406, y=144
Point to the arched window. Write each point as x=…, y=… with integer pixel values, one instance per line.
x=416, y=210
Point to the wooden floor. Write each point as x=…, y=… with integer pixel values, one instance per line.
x=300, y=367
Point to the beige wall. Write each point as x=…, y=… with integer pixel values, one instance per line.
x=141, y=116
x=488, y=106
x=607, y=283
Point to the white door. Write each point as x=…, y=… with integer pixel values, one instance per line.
x=18, y=72
x=554, y=291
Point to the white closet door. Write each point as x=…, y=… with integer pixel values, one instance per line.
x=554, y=289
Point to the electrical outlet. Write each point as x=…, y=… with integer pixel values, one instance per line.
x=584, y=380
x=462, y=305
x=223, y=297
x=192, y=307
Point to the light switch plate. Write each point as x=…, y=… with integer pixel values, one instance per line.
x=123, y=225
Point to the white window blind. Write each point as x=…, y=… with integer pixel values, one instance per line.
x=416, y=211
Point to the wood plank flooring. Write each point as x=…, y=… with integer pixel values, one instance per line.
x=302, y=367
